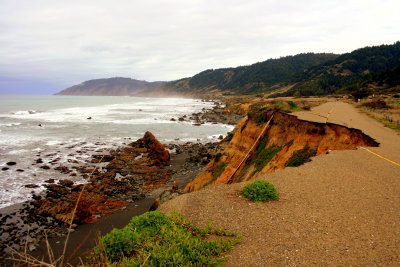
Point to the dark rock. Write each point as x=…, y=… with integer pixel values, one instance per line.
x=172, y=119
x=63, y=169
x=20, y=170
x=50, y=181
x=36, y=197
x=31, y=186
x=11, y=163
x=89, y=118
x=5, y=168
x=66, y=182
x=45, y=167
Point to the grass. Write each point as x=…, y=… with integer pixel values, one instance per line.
x=264, y=155
x=390, y=123
x=388, y=117
x=241, y=174
x=156, y=239
x=219, y=170
x=301, y=156
x=260, y=191
x=294, y=106
x=376, y=104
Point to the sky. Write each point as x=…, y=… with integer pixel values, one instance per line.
x=49, y=45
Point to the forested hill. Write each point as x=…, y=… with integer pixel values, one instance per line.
x=374, y=69
x=260, y=76
x=111, y=87
x=371, y=68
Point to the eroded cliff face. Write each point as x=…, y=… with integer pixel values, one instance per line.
x=287, y=141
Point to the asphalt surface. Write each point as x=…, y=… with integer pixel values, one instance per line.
x=340, y=209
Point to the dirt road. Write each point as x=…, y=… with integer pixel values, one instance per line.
x=341, y=209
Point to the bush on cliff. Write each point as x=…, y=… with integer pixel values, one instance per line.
x=260, y=191
x=156, y=239
x=301, y=156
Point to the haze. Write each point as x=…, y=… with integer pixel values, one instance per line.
x=47, y=46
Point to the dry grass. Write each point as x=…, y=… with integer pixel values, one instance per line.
x=389, y=117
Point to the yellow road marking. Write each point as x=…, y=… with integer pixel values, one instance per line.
x=329, y=113
x=382, y=157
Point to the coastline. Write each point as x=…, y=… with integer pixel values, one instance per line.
x=186, y=162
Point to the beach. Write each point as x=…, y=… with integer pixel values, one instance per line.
x=187, y=159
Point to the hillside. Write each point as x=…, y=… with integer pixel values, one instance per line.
x=111, y=87
x=376, y=69
x=257, y=77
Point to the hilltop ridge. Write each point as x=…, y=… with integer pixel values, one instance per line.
x=117, y=86
x=375, y=69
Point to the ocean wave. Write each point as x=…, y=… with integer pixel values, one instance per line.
x=9, y=124
x=24, y=112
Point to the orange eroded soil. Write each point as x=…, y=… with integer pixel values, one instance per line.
x=340, y=209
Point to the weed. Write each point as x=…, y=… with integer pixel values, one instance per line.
x=288, y=144
x=241, y=174
x=259, y=114
x=229, y=136
x=219, y=169
x=301, y=156
x=376, y=104
x=264, y=155
x=260, y=191
x=156, y=239
x=292, y=104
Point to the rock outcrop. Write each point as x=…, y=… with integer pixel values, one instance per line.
x=287, y=141
x=128, y=173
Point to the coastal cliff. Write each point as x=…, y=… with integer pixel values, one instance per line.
x=257, y=148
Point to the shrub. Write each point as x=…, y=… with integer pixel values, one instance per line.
x=120, y=242
x=160, y=240
x=219, y=170
x=229, y=136
x=259, y=114
x=376, y=104
x=292, y=104
x=301, y=156
x=264, y=156
x=260, y=191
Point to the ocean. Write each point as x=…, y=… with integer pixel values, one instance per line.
x=37, y=132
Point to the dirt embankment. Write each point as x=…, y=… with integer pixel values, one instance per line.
x=256, y=149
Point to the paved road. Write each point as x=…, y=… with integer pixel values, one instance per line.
x=341, y=209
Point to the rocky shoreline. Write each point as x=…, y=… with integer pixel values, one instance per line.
x=114, y=178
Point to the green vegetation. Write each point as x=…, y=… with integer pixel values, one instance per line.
x=229, y=136
x=259, y=114
x=242, y=173
x=219, y=170
x=376, y=104
x=264, y=155
x=390, y=123
x=293, y=106
x=253, y=78
x=260, y=191
x=156, y=239
x=356, y=71
x=301, y=156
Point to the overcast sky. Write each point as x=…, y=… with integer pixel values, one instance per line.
x=48, y=45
